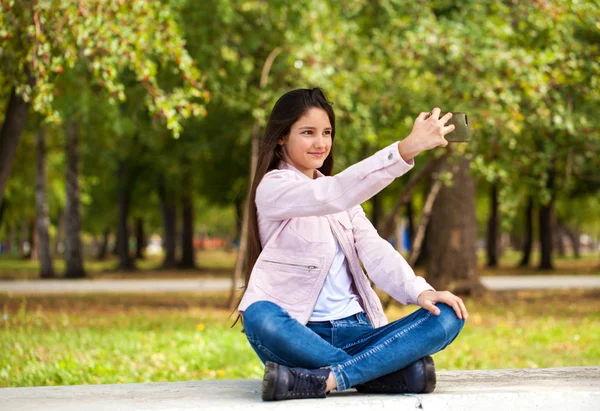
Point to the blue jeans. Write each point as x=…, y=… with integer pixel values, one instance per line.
x=354, y=350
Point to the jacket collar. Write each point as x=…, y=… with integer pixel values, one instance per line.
x=285, y=166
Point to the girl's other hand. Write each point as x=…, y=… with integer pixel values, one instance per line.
x=427, y=133
x=428, y=299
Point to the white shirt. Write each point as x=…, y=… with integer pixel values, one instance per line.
x=337, y=299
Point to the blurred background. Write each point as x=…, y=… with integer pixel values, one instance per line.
x=129, y=130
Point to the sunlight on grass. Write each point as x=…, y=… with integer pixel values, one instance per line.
x=220, y=263
x=64, y=340
x=208, y=263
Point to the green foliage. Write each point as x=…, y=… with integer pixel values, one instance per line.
x=43, y=39
x=526, y=73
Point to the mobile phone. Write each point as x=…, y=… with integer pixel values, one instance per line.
x=461, y=132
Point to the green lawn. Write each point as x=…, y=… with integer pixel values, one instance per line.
x=62, y=340
x=213, y=263
x=587, y=264
x=219, y=263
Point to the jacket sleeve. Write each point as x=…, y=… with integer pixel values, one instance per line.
x=280, y=195
x=384, y=265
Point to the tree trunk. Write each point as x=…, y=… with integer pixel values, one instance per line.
x=452, y=262
x=2, y=209
x=32, y=233
x=116, y=244
x=546, y=217
x=421, y=260
x=546, y=237
x=376, y=210
x=14, y=123
x=103, y=246
x=558, y=240
x=12, y=240
x=573, y=237
x=430, y=167
x=73, y=247
x=239, y=213
x=60, y=234
x=140, y=239
x=41, y=202
x=410, y=216
x=169, y=224
x=492, y=228
x=24, y=251
x=125, y=260
x=528, y=242
x=187, y=229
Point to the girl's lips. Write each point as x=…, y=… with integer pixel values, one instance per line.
x=317, y=154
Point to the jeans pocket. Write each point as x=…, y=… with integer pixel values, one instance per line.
x=363, y=319
x=355, y=320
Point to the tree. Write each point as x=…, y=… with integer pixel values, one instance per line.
x=169, y=217
x=527, y=243
x=452, y=239
x=43, y=220
x=73, y=247
x=492, y=228
x=41, y=40
x=188, y=259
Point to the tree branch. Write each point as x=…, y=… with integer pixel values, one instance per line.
x=431, y=166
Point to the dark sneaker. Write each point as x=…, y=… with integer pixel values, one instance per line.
x=418, y=377
x=284, y=383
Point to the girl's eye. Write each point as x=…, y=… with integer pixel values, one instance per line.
x=327, y=133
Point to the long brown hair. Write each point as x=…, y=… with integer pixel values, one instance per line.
x=287, y=110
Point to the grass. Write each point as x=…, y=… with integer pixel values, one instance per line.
x=220, y=263
x=587, y=264
x=210, y=263
x=91, y=339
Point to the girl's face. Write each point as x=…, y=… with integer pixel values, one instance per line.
x=309, y=141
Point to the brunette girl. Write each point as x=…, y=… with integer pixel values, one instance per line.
x=309, y=311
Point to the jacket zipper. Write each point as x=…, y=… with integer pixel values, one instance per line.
x=310, y=267
x=361, y=291
x=320, y=288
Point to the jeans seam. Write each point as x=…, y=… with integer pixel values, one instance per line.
x=268, y=352
x=386, y=342
x=380, y=330
x=277, y=359
x=333, y=337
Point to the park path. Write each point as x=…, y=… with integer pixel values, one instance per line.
x=546, y=389
x=496, y=283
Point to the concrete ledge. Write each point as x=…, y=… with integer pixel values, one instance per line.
x=574, y=388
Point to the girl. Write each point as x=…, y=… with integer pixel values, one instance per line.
x=309, y=311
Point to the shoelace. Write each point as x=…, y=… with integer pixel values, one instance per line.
x=305, y=384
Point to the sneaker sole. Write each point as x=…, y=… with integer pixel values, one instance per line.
x=430, y=378
x=270, y=381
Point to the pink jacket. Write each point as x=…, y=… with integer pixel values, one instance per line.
x=297, y=219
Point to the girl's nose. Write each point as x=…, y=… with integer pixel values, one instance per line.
x=321, y=141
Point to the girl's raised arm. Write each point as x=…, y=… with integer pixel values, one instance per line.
x=284, y=194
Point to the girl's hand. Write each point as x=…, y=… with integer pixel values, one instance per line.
x=428, y=132
x=428, y=299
